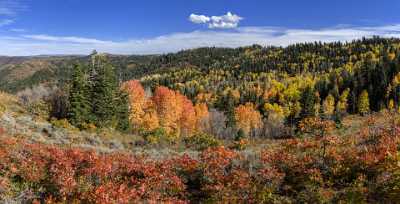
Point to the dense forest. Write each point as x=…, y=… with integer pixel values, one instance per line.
x=308, y=123
x=282, y=84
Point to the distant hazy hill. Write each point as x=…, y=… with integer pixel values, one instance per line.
x=17, y=73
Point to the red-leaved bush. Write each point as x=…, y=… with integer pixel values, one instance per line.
x=339, y=169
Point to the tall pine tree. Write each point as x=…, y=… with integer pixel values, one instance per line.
x=122, y=112
x=80, y=107
x=104, y=92
x=308, y=100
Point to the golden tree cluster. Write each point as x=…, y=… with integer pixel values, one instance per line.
x=247, y=118
x=166, y=109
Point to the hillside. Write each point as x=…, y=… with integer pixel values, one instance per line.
x=44, y=161
x=18, y=73
x=307, y=123
x=295, y=59
x=267, y=77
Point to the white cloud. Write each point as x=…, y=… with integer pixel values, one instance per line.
x=199, y=18
x=78, y=40
x=5, y=22
x=226, y=21
x=46, y=44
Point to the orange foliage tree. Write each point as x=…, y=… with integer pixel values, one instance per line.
x=188, y=116
x=247, y=117
x=166, y=108
x=202, y=116
x=175, y=111
x=150, y=118
x=137, y=102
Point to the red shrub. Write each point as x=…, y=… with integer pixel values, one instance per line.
x=313, y=170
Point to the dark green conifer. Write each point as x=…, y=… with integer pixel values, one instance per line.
x=80, y=107
x=308, y=100
x=104, y=92
x=122, y=113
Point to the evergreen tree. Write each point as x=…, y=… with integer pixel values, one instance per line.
x=122, y=113
x=80, y=107
x=363, y=103
x=308, y=100
x=104, y=92
x=317, y=106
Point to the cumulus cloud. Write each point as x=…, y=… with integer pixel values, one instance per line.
x=199, y=18
x=226, y=21
x=47, y=44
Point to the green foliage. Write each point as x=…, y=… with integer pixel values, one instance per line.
x=308, y=100
x=342, y=104
x=79, y=101
x=104, y=92
x=39, y=108
x=287, y=76
x=201, y=141
x=240, y=135
x=95, y=96
x=157, y=136
x=122, y=112
x=2, y=108
x=62, y=123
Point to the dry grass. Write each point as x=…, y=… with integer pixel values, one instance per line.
x=9, y=103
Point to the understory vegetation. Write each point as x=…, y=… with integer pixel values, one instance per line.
x=329, y=168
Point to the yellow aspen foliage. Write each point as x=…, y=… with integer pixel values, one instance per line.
x=205, y=98
x=342, y=104
x=391, y=104
x=363, y=103
x=235, y=94
x=247, y=117
x=392, y=56
x=202, y=116
x=396, y=80
x=328, y=105
x=274, y=109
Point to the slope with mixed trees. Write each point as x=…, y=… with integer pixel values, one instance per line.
x=333, y=106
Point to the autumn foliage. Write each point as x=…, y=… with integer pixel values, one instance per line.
x=247, y=117
x=361, y=168
x=137, y=102
x=168, y=109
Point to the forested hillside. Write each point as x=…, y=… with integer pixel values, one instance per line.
x=308, y=123
x=282, y=83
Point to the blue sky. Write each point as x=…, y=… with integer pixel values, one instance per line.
x=32, y=27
